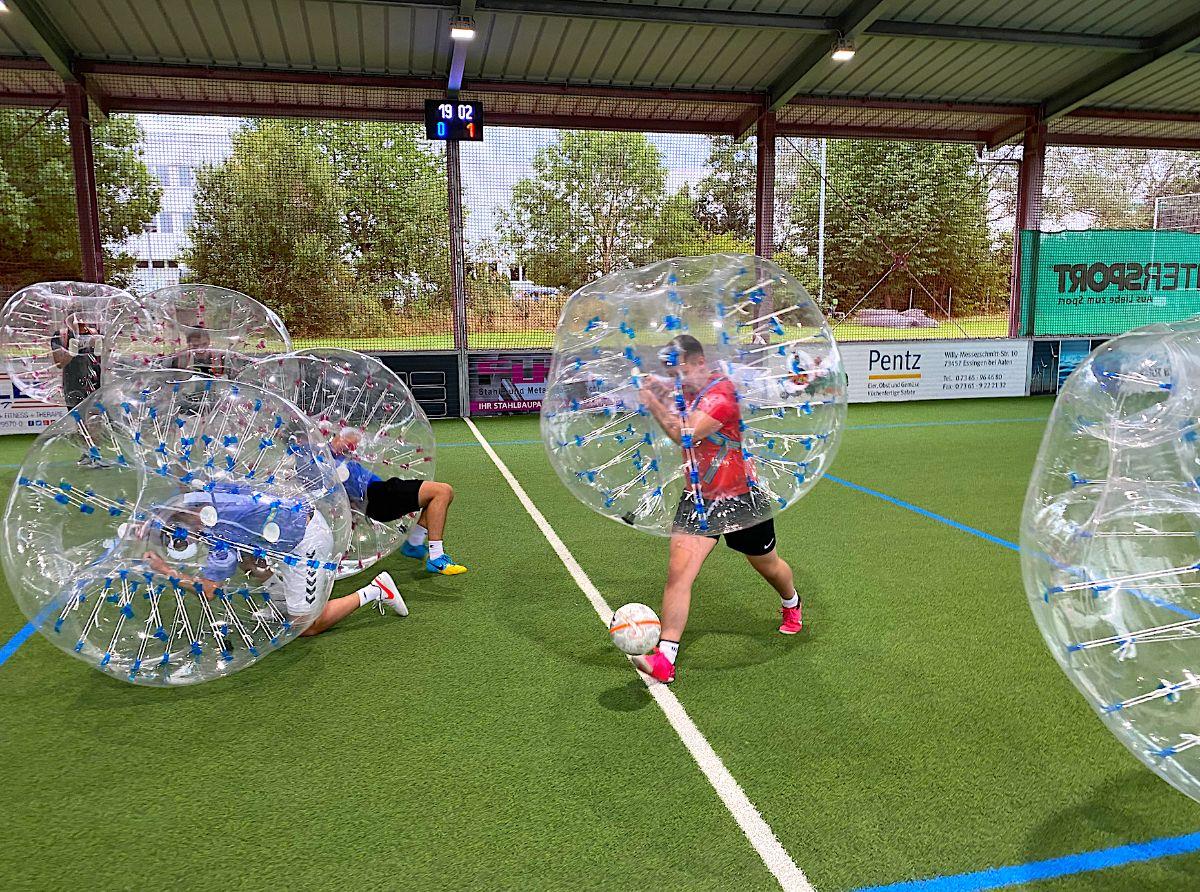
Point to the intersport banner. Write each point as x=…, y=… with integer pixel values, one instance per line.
x=1107, y=281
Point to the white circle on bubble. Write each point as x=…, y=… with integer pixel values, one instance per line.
x=208, y=516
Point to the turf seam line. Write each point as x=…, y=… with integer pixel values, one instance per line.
x=748, y=818
x=1067, y=865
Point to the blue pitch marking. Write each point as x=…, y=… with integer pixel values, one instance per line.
x=917, y=509
x=1085, y=862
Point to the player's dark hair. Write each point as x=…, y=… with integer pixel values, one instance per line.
x=688, y=346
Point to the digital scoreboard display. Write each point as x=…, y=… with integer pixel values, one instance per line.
x=451, y=119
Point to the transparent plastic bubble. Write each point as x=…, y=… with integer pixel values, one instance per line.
x=730, y=342
x=373, y=425
x=53, y=337
x=1110, y=540
x=137, y=528
x=204, y=328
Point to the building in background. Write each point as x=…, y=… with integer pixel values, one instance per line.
x=174, y=147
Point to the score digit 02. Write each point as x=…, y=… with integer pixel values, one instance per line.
x=451, y=119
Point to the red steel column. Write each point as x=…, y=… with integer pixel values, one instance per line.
x=1029, y=212
x=764, y=188
x=80, y=129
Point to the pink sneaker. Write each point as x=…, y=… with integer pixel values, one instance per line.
x=656, y=665
x=792, y=623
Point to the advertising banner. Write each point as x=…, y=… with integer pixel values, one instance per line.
x=886, y=371
x=21, y=415
x=1107, y=281
x=507, y=382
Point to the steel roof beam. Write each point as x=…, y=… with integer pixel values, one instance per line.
x=1180, y=38
x=858, y=17
x=979, y=34
x=54, y=48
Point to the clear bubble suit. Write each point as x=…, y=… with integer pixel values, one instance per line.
x=1110, y=542
x=203, y=328
x=157, y=482
x=53, y=340
x=769, y=360
x=374, y=426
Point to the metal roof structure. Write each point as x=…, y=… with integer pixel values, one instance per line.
x=1105, y=72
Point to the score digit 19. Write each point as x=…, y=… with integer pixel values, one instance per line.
x=448, y=119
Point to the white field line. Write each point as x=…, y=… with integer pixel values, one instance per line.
x=791, y=878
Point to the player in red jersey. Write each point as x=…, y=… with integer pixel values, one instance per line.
x=702, y=415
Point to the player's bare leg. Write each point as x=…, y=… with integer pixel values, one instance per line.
x=778, y=573
x=687, y=556
x=435, y=499
x=381, y=589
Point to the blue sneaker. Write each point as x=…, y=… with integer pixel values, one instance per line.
x=416, y=552
x=445, y=566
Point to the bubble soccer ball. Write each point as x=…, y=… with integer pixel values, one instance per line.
x=374, y=428
x=172, y=531
x=1110, y=541
x=634, y=629
x=201, y=328
x=53, y=337
x=642, y=356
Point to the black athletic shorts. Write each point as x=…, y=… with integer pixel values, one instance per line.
x=754, y=540
x=391, y=499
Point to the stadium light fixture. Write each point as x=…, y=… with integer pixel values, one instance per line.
x=843, y=51
x=462, y=27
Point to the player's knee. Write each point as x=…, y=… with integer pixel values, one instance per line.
x=442, y=492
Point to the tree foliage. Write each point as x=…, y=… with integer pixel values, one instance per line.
x=39, y=228
x=589, y=208
x=918, y=209
x=1114, y=188
x=306, y=215
x=725, y=197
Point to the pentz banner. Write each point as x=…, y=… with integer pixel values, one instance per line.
x=1107, y=281
x=895, y=371
x=20, y=414
x=507, y=382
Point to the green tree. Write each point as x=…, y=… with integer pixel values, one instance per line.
x=590, y=207
x=1114, y=188
x=268, y=222
x=304, y=214
x=39, y=230
x=725, y=197
x=920, y=207
x=678, y=233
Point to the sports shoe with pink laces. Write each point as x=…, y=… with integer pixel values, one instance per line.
x=792, y=623
x=656, y=665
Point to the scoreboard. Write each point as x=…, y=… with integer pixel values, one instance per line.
x=451, y=119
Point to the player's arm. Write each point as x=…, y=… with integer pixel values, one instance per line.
x=701, y=424
x=160, y=566
x=58, y=351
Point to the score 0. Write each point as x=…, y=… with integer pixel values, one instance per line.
x=452, y=119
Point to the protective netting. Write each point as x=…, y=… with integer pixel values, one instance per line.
x=340, y=227
x=1118, y=242
x=548, y=211
x=898, y=239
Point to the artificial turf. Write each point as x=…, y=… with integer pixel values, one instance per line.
x=494, y=740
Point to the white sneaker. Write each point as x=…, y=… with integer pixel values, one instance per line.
x=389, y=594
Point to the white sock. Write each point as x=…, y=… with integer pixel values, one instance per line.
x=669, y=649
x=370, y=593
x=435, y=549
x=417, y=536
x=793, y=601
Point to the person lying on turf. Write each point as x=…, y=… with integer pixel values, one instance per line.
x=710, y=420
x=240, y=523
x=389, y=500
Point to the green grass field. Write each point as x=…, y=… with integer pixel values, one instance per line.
x=495, y=740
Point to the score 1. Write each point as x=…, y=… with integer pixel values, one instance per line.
x=452, y=119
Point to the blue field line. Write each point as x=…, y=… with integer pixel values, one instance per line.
x=10, y=647
x=917, y=509
x=1085, y=862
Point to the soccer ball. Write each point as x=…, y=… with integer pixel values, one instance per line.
x=634, y=629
